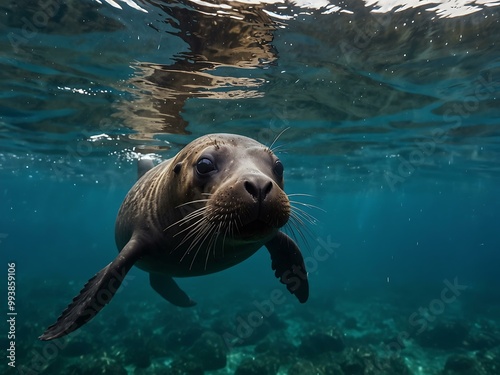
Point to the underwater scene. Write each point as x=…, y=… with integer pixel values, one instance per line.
x=250, y=187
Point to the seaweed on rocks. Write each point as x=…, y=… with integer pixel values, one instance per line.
x=444, y=335
x=104, y=365
x=328, y=339
x=489, y=360
x=186, y=364
x=260, y=365
x=363, y=361
x=309, y=368
x=277, y=345
x=461, y=364
x=183, y=337
x=210, y=351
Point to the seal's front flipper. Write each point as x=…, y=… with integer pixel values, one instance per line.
x=166, y=287
x=95, y=294
x=288, y=263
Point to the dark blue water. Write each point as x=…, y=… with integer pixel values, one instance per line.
x=391, y=111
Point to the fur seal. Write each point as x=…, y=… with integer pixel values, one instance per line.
x=213, y=205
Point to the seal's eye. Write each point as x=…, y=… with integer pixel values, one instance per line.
x=205, y=166
x=278, y=169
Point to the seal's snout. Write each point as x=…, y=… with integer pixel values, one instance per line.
x=259, y=202
x=253, y=204
x=258, y=187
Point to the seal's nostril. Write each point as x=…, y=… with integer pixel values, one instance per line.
x=266, y=189
x=258, y=189
x=252, y=189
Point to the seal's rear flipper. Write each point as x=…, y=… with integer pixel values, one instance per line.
x=95, y=294
x=288, y=263
x=166, y=287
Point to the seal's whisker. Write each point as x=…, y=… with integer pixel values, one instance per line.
x=297, y=218
x=301, y=213
x=198, y=249
x=296, y=224
x=193, y=233
x=293, y=229
x=300, y=195
x=270, y=148
x=307, y=205
x=198, y=226
x=190, y=226
x=304, y=215
x=208, y=248
x=234, y=225
x=222, y=224
x=280, y=149
x=208, y=231
x=228, y=230
x=236, y=229
x=191, y=202
x=299, y=222
x=212, y=241
x=193, y=215
x=241, y=222
x=213, y=244
x=185, y=219
x=193, y=227
x=293, y=195
x=185, y=222
x=188, y=217
x=289, y=228
x=200, y=234
x=194, y=212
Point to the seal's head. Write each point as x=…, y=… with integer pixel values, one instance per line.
x=236, y=187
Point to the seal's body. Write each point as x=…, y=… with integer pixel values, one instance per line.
x=217, y=202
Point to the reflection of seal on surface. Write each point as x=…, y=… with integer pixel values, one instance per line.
x=210, y=207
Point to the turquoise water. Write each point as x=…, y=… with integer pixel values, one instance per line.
x=391, y=111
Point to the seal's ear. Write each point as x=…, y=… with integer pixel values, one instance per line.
x=96, y=293
x=177, y=168
x=288, y=263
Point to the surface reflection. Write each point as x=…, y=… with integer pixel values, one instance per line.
x=220, y=37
